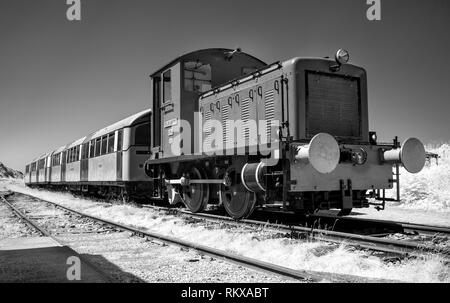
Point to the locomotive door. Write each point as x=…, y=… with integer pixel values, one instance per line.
x=156, y=113
x=170, y=108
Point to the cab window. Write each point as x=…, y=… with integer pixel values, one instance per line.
x=197, y=77
x=167, y=86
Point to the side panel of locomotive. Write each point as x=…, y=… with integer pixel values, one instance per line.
x=248, y=113
x=327, y=159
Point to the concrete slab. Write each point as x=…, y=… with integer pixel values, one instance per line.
x=41, y=259
x=27, y=243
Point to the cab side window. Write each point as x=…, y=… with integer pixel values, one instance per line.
x=197, y=77
x=167, y=86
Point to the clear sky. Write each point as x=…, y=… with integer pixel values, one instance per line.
x=60, y=80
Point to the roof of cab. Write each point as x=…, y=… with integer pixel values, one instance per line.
x=200, y=51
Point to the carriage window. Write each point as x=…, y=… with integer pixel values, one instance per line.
x=33, y=166
x=111, y=143
x=142, y=135
x=92, y=149
x=41, y=164
x=55, y=160
x=167, y=89
x=27, y=169
x=197, y=77
x=77, y=158
x=104, y=142
x=97, y=147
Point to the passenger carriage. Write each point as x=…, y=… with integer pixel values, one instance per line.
x=109, y=161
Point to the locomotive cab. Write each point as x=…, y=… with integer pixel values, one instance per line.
x=177, y=86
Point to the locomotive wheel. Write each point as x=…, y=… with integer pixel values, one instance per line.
x=195, y=196
x=237, y=200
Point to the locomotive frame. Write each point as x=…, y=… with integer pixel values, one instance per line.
x=301, y=164
x=226, y=128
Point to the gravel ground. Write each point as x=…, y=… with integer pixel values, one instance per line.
x=13, y=227
x=128, y=258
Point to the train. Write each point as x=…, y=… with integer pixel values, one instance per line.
x=228, y=129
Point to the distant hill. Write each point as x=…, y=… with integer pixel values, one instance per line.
x=6, y=172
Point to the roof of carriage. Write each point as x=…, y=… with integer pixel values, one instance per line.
x=128, y=121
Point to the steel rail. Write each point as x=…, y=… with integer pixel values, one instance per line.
x=27, y=220
x=363, y=241
x=45, y=233
x=304, y=275
x=431, y=229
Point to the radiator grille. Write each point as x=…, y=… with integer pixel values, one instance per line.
x=245, y=116
x=207, y=117
x=225, y=115
x=333, y=105
x=269, y=107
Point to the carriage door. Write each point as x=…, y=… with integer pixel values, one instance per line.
x=119, y=159
x=84, y=162
x=63, y=166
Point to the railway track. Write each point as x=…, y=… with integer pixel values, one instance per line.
x=302, y=275
x=405, y=227
x=46, y=233
x=375, y=243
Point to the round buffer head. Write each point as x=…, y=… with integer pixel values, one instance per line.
x=324, y=153
x=412, y=155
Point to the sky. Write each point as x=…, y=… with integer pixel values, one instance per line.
x=61, y=80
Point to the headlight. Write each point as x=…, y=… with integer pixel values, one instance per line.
x=373, y=138
x=342, y=56
x=359, y=157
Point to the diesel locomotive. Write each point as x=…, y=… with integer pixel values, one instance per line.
x=226, y=128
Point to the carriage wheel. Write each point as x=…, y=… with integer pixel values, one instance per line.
x=195, y=196
x=237, y=200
